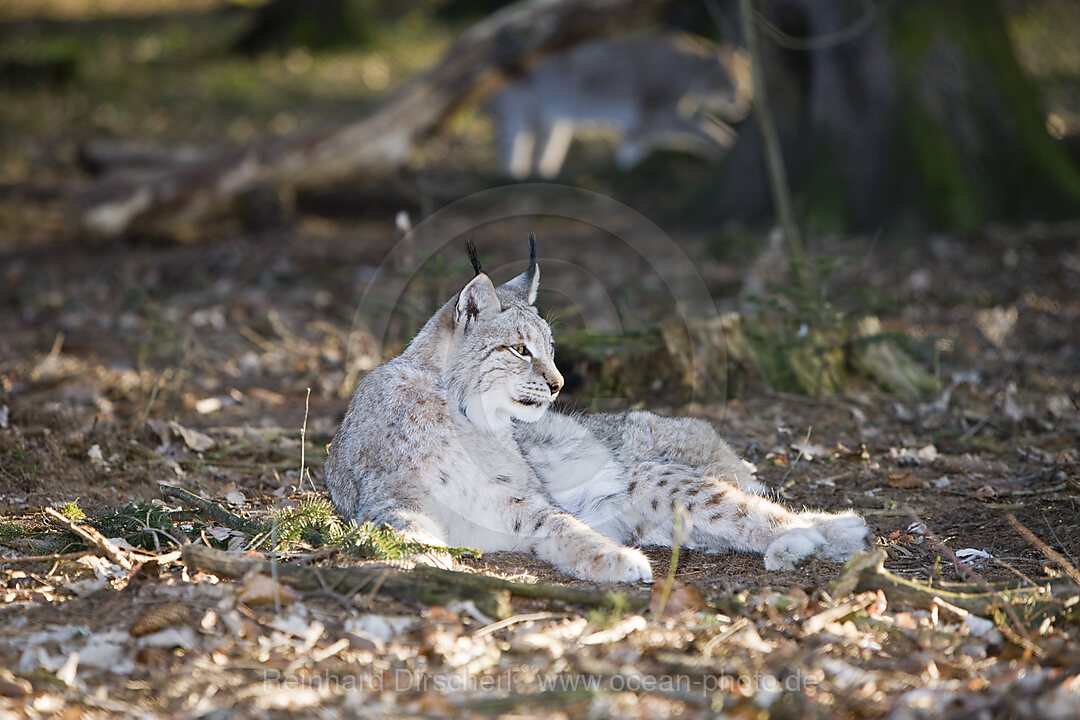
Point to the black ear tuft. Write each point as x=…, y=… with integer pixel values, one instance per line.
x=470, y=247
x=532, y=259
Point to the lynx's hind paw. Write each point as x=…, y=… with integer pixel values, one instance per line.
x=785, y=552
x=845, y=535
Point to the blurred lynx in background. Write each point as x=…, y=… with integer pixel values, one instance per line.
x=676, y=92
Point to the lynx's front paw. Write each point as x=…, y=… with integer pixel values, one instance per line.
x=619, y=564
x=785, y=552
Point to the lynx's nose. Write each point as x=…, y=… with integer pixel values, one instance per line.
x=555, y=385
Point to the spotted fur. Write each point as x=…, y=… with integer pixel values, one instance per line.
x=452, y=443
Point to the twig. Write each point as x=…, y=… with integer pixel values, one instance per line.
x=303, y=436
x=866, y=571
x=324, y=552
x=1037, y=491
x=376, y=586
x=108, y=548
x=514, y=620
x=816, y=623
x=791, y=468
x=1054, y=533
x=678, y=536
x=211, y=511
x=1020, y=636
x=158, y=382
x=261, y=342
x=1045, y=549
x=1018, y=573
x=45, y=558
x=974, y=429
x=340, y=598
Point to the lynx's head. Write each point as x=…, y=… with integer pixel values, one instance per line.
x=501, y=364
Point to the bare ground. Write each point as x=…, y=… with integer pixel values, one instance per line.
x=227, y=337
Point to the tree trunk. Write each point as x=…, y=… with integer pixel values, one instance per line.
x=895, y=110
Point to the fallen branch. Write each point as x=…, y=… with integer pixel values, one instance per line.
x=209, y=511
x=1050, y=553
x=107, y=548
x=424, y=584
x=56, y=557
x=866, y=572
x=1017, y=632
x=816, y=623
x=499, y=47
x=1031, y=492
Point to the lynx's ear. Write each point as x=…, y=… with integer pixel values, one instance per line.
x=523, y=288
x=476, y=301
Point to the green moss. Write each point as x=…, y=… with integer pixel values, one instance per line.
x=823, y=202
x=988, y=156
x=72, y=511
x=791, y=361
x=940, y=186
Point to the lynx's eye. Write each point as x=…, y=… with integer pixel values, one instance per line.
x=519, y=350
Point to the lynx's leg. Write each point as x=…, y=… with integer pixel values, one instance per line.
x=514, y=114
x=519, y=156
x=413, y=525
x=724, y=517
x=524, y=521
x=573, y=546
x=671, y=132
x=551, y=147
x=641, y=436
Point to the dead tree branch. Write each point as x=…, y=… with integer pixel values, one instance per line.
x=499, y=47
x=428, y=585
x=93, y=538
x=866, y=572
x=211, y=512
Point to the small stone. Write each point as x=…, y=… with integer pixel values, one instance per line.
x=95, y=455
x=976, y=651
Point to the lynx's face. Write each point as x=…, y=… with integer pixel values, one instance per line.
x=502, y=363
x=508, y=367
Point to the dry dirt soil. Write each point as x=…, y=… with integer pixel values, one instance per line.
x=126, y=365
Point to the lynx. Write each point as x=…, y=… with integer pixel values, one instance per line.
x=653, y=92
x=454, y=443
